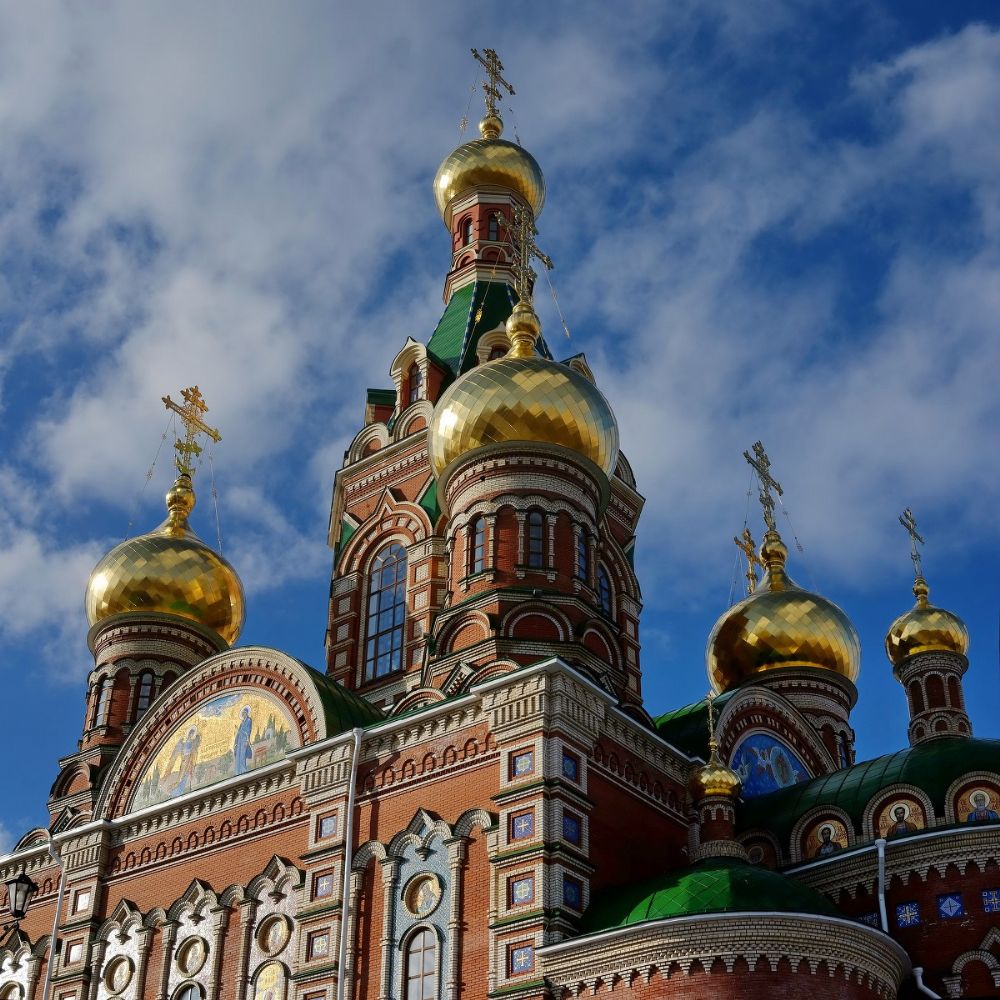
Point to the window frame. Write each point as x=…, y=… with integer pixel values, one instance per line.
x=147, y=696
x=582, y=556
x=415, y=379
x=605, y=595
x=477, y=545
x=467, y=231
x=535, y=539
x=373, y=649
x=421, y=934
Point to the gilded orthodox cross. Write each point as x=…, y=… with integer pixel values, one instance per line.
x=761, y=464
x=748, y=547
x=191, y=413
x=522, y=241
x=490, y=61
x=909, y=522
x=710, y=701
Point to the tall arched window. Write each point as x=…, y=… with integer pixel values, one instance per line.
x=582, y=558
x=103, y=703
x=386, y=612
x=604, y=590
x=478, y=536
x=467, y=232
x=145, y=695
x=190, y=991
x=422, y=966
x=416, y=380
x=494, y=229
x=536, y=539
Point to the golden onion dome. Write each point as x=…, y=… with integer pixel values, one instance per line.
x=489, y=161
x=780, y=626
x=169, y=571
x=924, y=629
x=522, y=398
x=714, y=778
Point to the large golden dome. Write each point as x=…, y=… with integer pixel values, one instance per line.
x=522, y=398
x=780, y=626
x=169, y=571
x=924, y=629
x=489, y=161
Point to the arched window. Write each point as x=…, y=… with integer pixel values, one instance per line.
x=189, y=991
x=145, y=695
x=536, y=539
x=386, y=612
x=103, y=702
x=582, y=558
x=954, y=693
x=477, y=534
x=604, y=590
x=422, y=966
x=467, y=232
x=499, y=351
x=917, y=696
x=494, y=229
x=416, y=379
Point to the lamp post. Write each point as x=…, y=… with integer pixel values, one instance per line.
x=20, y=892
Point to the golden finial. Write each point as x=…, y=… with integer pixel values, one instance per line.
x=187, y=449
x=492, y=125
x=920, y=589
x=748, y=547
x=761, y=464
x=523, y=326
x=710, y=701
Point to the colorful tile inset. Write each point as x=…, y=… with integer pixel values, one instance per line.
x=522, y=959
x=522, y=763
x=907, y=915
x=570, y=767
x=572, y=828
x=991, y=900
x=950, y=905
x=572, y=892
x=522, y=826
x=871, y=919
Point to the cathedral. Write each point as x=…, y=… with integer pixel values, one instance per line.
x=471, y=797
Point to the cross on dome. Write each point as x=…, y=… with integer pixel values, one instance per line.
x=490, y=61
x=909, y=522
x=761, y=464
x=187, y=449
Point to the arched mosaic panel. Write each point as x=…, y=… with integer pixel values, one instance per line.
x=226, y=736
x=765, y=764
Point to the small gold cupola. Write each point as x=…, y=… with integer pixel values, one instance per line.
x=779, y=625
x=924, y=628
x=170, y=570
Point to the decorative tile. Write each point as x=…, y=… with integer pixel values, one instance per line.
x=522, y=890
x=522, y=763
x=907, y=915
x=871, y=919
x=323, y=886
x=991, y=900
x=570, y=767
x=522, y=959
x=950, y=905
x=572, y=828
x=327, y=826
x=572, y=892
x=522, y=826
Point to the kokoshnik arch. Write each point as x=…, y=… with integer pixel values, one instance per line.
x=473, y=799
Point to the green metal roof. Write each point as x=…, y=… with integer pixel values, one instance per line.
x=457, y=334
x=687, y=728
x=717, y=885
x=931, y=766
x=381, y=397
x=342, y=709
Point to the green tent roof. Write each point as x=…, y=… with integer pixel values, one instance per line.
x=342, y=709
x=931, y=766
x=717, y=885
x=687, y=728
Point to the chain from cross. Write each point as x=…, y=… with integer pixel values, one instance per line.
x=761, y=464
x=748, y=547
x=909, y=522
x=490, y=61
x=522, y=242
x=187, y=449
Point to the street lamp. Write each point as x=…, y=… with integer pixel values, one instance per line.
x=20, y=892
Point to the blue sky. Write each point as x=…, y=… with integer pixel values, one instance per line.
x=777, y=219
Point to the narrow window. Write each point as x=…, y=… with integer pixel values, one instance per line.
x=478, y=545
x=386, y=612
x=536, y=538
x=582, y=564
x=416, y=382
x=145, y=695
x=497, y=352
x=604, y=590
x=192, y=991
x=467, y=232
x=103, y=702
x=422, y=966
x=494, y=229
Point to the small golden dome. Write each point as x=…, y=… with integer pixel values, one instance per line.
x=925, y=629
x=169, y=571
x=522, y=398
x=489, y=161
x=714, y=778
x=778, y=626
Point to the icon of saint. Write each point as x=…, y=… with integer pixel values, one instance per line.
x=900, y=824
x=242, y=753
x=827, y=845
x=981, y=811
x=186, y=751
